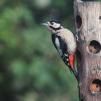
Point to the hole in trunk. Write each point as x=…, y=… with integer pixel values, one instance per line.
x=94, y=47
x=95, y=86
x=78, y=21
x=100, y=17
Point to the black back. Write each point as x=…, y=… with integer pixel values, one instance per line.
x=63, y=45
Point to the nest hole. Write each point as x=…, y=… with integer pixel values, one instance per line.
x=78, y=21
x=94, y=47
x=100, y=17
x=95, y=86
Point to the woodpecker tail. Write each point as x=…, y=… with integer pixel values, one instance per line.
x=70, y=61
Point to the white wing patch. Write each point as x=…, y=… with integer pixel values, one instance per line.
x=58, y=46
x=57, y=43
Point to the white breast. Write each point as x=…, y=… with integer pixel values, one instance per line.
x=68, y=37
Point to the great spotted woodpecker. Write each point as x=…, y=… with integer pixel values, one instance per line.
x=65, y=43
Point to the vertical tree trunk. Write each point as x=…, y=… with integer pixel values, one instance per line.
x=88, y=28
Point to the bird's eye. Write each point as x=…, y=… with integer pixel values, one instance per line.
x=52, y=23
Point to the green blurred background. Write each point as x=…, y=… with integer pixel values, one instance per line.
x=30, y=68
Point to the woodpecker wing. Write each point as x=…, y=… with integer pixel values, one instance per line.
x=62, y=48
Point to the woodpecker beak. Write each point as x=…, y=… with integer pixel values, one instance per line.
x=45, y=24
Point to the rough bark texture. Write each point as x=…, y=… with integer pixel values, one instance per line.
x=88, y=27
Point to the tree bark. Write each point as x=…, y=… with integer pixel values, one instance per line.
x=88, y=28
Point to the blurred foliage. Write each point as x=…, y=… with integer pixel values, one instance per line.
x=30, y=68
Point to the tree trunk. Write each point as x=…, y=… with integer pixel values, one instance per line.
x=88, y=28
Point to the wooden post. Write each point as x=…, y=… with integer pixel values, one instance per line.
x=88, y=28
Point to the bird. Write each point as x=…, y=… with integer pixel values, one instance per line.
x=64, y=42
x=94, y=47
x=95, y=88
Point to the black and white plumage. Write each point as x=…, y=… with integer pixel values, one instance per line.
x=65, y=43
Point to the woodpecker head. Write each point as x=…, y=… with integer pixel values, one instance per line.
x=53, y=26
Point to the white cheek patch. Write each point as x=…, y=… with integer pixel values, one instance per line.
x=56, y=25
